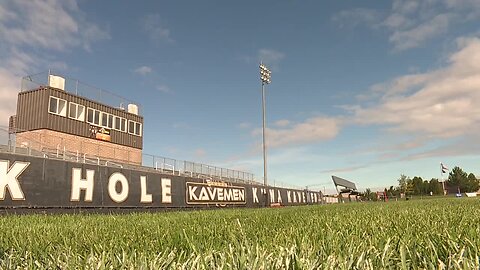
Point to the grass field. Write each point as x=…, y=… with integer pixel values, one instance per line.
x=429, y=234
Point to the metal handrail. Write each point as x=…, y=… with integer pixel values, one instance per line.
x=166, y=165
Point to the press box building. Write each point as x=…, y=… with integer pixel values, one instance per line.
x=51, y=119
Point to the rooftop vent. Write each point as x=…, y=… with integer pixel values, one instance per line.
x=56, y=82
x=133, y=109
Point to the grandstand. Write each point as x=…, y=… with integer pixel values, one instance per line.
x=346, y=190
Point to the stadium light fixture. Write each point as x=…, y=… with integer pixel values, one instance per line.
x=265, y=74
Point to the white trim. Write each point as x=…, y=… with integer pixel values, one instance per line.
x=77, y=106
x=111, y=121
x=119, y=127
x=140, y=129
x=65, y=107
x=125, y=125
x=114, y=126
x=101, y=119
x=93, y=117
x=128, y=127
x=135, y=128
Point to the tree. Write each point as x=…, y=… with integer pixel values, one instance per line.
x=410, y=187
x=402, y=183
x=369, y=195
x=435, y=187
x=417, y=185
x=472, y=184
x=425, y=187
x=458, y=178
x=465, y=183
x=391, y=192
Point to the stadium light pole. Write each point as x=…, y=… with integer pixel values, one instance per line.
x=265, y=75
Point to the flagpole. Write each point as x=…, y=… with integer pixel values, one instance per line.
x=443, y=180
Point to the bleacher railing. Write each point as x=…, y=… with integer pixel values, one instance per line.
x=36, y=146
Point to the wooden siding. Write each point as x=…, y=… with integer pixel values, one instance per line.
x=32, y=114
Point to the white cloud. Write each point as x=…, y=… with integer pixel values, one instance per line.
x=199, y=153
x=143, y=70
x=443, y=104
x=312, y=130
x=426, y=115
x=11, y=71
x=412, y=23
x=344, y=169
x=282, y=123
x=155, y=30
x=244, y=125
x=181, y=125
x=402, y=85
x=91, y=33
x=406, y=6
x=276, y=157
x=30, y=32
x=9, y=85
x=18, y=61
x=164, y=88
x=465, y=147
x=419, y=34
x=52, y=25
x=7, y=15
x=398, y=21
x=271, y=58
x=355, y=17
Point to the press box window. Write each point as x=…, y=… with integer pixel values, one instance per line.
x=138, y=129
x=76, y=111
x=107, y=120
x=134, y=128
x=120, y=124
x=110, y=121
x=123, y=126
x=104, y=119
x=131, y=127
x=93, y=116
x=57, y=106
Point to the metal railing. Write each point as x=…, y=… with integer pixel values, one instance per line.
x=194, y=169
x=78, y=88
x=280, y=184
x=41, y=145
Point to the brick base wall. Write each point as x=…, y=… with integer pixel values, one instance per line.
x=48, y=140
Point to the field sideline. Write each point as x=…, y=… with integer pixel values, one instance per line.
x=431, y=234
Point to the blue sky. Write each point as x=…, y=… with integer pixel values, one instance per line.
x=365, y=90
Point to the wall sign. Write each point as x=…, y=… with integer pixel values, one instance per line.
x=214, y=193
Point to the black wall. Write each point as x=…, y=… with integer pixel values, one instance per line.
x=47, y=183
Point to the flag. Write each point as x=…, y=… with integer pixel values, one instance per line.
x=443, y=168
